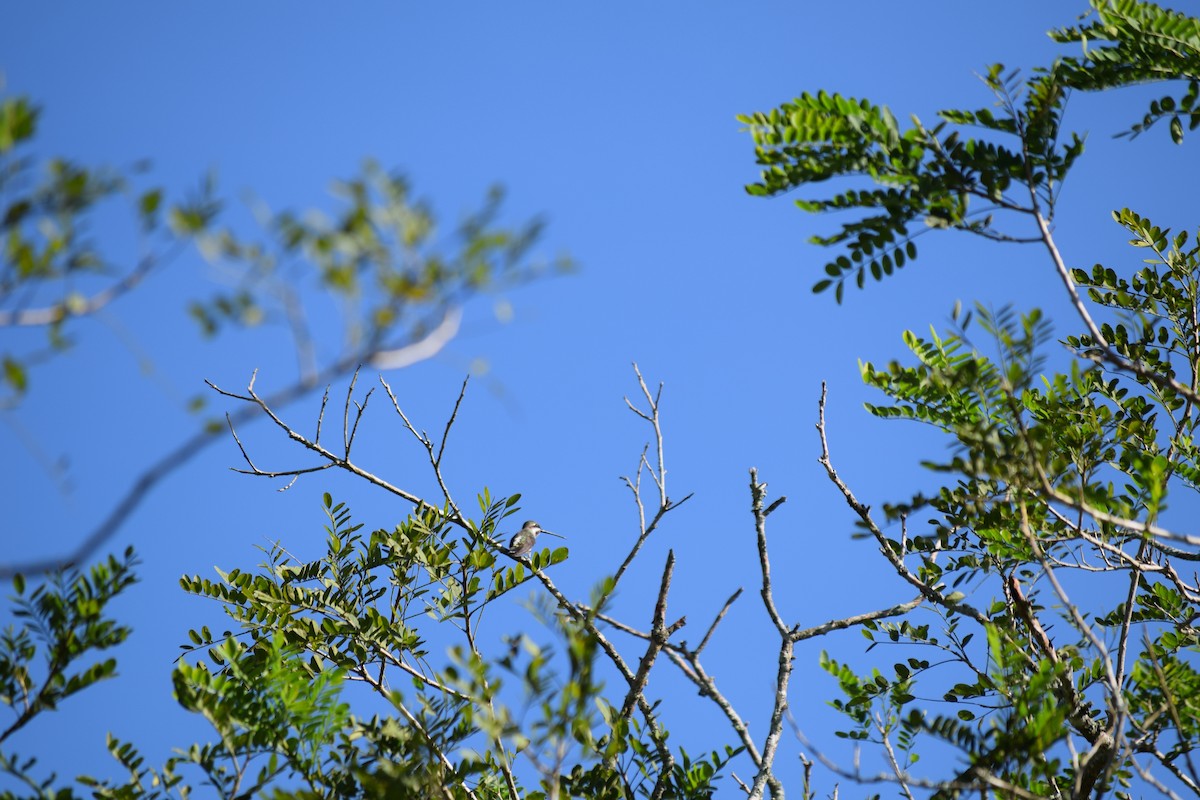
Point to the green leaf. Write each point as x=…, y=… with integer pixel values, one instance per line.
x=148, y=206
x=15, y=374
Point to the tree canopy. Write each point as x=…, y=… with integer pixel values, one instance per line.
x=1043, y=640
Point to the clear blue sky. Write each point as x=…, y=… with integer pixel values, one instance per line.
x=616, y=122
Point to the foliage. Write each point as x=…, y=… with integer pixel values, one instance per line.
x=45, y=659
x=397, y=279
x=49, y=258
x=941, y=177
x=377, y=256
x=1050, y=646
x=924, y=176
x=1143, y=43
x=1063, y=661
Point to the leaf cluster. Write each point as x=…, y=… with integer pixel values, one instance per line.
x=1129, y=42
x=924, y=177
x=47, y=657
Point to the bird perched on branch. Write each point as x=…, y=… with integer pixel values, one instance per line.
x=524, y=540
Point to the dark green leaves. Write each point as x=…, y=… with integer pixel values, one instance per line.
x=943, y=178
x=924, y=178
x=1129, y=42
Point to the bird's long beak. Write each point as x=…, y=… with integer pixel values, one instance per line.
x=552, y=533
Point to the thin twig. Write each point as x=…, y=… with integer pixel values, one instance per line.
x=366, y=677
x=437, y=462
x=864, y=513
x=758, y=492
x=720, y=615
x=659, y=476
x=177, y=457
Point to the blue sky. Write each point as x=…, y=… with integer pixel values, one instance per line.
x=616, y=123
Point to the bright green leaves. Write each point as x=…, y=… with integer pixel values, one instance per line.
x=1054, y=473
x=815, y=138
x=506, y=579
x=1157, y=328
x=15, y=375
x=957, y=389
x=1056, y=484
x=1069, y=435
x=1005, y=716
x=263, y=700
x=61, y=621
x=924, y=178
x=143, y=782
x=875, y=703
x=1130, y=42
x=1166, y=678
x=942, y=178
x=697, y=777
x=18, y=121
x=370, y=605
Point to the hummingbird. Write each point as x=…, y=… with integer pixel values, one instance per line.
x=524, y=540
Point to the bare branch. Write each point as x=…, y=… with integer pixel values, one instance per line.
x=580, y=615
x=758, y=492
x=849, y=622
x=720, y=615
x=437, y=462
x=658, y=474
x=321, y=414
x=266, y=406
x=659, y=634
x=194, y=444
x=779, y=708
x=765, y=776
x=346, y=412
x=864, y=513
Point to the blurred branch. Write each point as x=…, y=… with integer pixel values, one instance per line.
x=80, y=306
x=587, y=618
x=430, y=345
x=180, y=456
